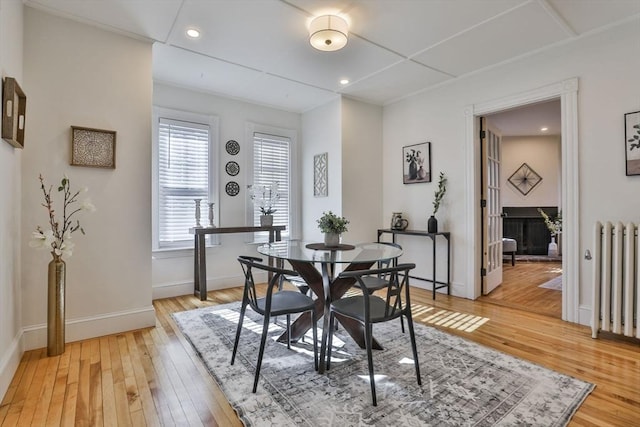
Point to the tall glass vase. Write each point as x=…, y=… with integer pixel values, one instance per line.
x=55, y=306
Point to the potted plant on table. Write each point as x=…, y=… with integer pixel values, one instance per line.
x=332, y=226
x=432, y=224
x=265, y=198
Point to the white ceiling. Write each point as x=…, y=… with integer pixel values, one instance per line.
x=258, y=50
x=529, y=120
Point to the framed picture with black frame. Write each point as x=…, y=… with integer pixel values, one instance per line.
x=416, y=163
x=632, y=143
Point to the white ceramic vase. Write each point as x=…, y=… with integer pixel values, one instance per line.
x=553, y=247
x=266, y=220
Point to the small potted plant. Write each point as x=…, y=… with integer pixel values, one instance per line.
x=265, y=198
x=332, y=226
x=432, y=224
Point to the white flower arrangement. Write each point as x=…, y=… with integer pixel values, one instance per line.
x=554, y=225
x=57, y=238
x=265, y=197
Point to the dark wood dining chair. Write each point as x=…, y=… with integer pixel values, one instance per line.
x=380, y=281
x=275, y=303
x=369, y=309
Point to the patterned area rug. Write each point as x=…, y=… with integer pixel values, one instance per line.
x=555, y=284
x=463, y=383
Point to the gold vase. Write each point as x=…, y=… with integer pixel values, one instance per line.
x=55, y=307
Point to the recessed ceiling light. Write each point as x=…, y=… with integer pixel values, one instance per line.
x=193, y=33
x=544, y=129
x=344, y=81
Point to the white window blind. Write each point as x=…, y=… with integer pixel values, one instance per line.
x=272, y=163
x=183, y=175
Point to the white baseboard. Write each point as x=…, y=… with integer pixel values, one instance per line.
x=168, y=290
x=456, y=289
x=584, y=315
x=9, y=362
x=35, y=336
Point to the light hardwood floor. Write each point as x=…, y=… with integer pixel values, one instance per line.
x=520, y=288
x=153, y=376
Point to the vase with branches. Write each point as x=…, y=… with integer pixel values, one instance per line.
x=432, y=224
x=57, y=239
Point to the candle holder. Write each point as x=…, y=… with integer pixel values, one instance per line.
x=211, y=214
x=197, y=212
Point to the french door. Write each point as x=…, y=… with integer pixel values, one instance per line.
x=491, y=206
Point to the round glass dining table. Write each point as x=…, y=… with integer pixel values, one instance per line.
x=305, y=257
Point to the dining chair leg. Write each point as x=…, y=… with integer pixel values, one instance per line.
x=398, y=306
x=243, y=308
x=314, y=321
x=367, y=340
x=413, y=347
x=330, y=343
x=289, y=331
x=263, y=341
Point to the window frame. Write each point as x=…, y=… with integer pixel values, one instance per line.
x=213, y=175
x=293, y=228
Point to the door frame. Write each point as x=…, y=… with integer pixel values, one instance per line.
x=567, y=92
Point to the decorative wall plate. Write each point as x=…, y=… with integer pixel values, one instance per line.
x=232, y=168
x=232, y=188
x=525, y=179
x=232, y=147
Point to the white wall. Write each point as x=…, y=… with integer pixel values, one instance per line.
x=11, y=348
x=362, y=169
x=606, y=65
x=321, y=133
x=542, y=154
x=83, y=76
x=172, y=272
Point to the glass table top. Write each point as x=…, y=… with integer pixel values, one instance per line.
x=297, y=250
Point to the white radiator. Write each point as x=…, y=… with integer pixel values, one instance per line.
x=616, y=274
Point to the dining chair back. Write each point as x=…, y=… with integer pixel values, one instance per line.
x=369, y=309
x=380, y=281
x=274, y=303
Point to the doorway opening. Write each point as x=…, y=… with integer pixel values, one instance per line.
x=529, y=156
x=567, y=92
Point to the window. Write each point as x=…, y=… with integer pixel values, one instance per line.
x=273, y=161
x=185, y=151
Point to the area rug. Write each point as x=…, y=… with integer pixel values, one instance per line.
x=555, y=284
x=463, y=383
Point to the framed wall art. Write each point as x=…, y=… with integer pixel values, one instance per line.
x=632, y=142
x=416, y=163
x=93, y=147
x=320, y=175
x=524, y=179
x=14, y=107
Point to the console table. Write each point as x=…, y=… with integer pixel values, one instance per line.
x=200, y=253
x=436, y=283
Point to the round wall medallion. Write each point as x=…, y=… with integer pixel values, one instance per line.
x=232, y=188
x=232, y=168
x=232, y=147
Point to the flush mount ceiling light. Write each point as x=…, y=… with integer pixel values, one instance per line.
x=328, y=33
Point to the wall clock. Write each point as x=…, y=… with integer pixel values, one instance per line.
x=232, y=147
x=232, y=168
x=525, y=179
x=232, y=188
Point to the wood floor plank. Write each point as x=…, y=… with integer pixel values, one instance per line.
x=154, y=377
